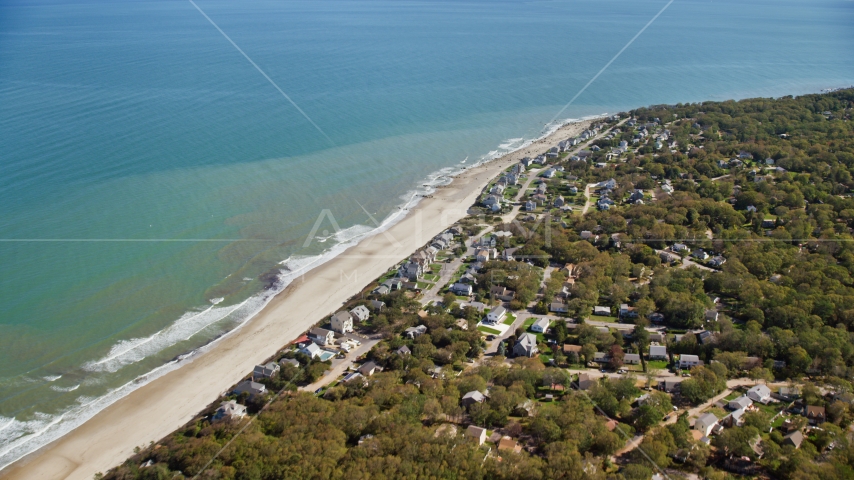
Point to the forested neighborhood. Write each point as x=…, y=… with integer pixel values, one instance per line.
x=668, y=295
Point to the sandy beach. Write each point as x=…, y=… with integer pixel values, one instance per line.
x=158, y=408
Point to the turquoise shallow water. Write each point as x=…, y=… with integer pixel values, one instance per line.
x=139, y=121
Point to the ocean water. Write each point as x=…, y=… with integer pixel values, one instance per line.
x=156, y=189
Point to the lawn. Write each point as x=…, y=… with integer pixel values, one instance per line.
x=431, y=277
x=656, y=364
x=424, y=285
x=528, y=323
x=489, y=330
x=732, y=396
x=510, y=319
x=602, y=318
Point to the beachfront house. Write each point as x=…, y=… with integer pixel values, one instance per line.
x=322, y=336
x=541, y=325
x=360, y=313
x=265, y=371
x=250, y=387
x=411, y=271
x=496, y=315
x=229, y=409
x=342, y=322
x=526, y=345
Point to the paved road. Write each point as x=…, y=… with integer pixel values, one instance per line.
x=340, y=365
x=687, y=262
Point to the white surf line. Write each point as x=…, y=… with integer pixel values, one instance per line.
x=150, y=338
x=133, y=240
x=264, y=74
x=24, y=440
x=220, y=318
x=612, y=60
x=4, y=427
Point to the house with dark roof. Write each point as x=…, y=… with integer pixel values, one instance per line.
x=816, y=415
x=265, y=371
x=250, y=387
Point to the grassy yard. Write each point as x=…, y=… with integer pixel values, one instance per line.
x=602, y=318
x=732, y=396
x=424, y=285
x=489, y=330
x=510, y=319
x=431, y=277
x=656, y=364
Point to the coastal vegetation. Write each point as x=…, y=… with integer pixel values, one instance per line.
x=759, y=192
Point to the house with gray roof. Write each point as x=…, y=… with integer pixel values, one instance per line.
x=526, y=345
x=322, y=336
x=360, y=313
x=342, y=322
x=472, y=397
x=265, y=371
x=250, y=387
x=230, y=409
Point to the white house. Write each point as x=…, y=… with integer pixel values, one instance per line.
x=496, y=315
x=413, y=332
x=760, y=393
x=657, y=352
x=322, y=336
x=706, y=423
x=604, y=311
x=540, y=326
x=476, y=433
x=230, y=409
x=688, y=361
x=631, y=359
x=739, y=403
x=312, y=350
x=526, y=345
x=342, y=322
x=360, y=313
x=461, y=289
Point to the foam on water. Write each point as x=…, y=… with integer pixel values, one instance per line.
x=22, y=437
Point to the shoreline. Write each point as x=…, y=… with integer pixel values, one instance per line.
x=157, y=408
